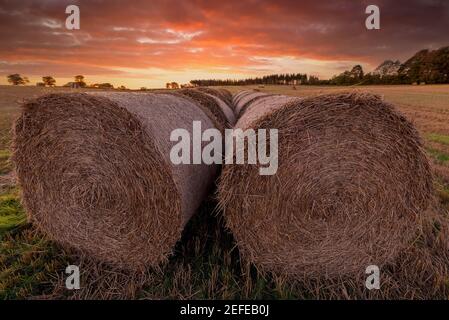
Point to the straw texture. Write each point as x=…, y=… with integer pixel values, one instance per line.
x=352, y=185
x=96, y=175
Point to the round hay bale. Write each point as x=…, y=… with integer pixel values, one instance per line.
x=269, y=99
x=239, y=95
x=227, y=110
x=210, y=106
x=221, y=93
x=226, y=95
x=352, y=182
x=96, y=175
x=243, y=100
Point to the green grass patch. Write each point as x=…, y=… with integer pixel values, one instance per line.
x=28, y=264
x=28, y=261
x=5, y=165
x=12, y=214
x=438, y=156
x=439, y=138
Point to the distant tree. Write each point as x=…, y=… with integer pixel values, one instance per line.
x=16, y=79
x=122, y=87
x=80, y=80
x=40, y=84
x=352, y=77
x=49, y=81
x=73, y=85
x=106, y=85
x=424, y=67
x=143, y=88
x=292, y=78
x=357, y=72
x=427, y=67
x=313, y=80
x=103, y=86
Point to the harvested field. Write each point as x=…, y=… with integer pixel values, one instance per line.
x=206, y=262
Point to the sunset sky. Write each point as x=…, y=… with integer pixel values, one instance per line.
x=148, y=43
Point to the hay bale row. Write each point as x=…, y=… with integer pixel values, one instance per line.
x=352, y=184
x=96, y=176
x=220, y=93
x=213, y=106
x=240, y=94
x=245, y=99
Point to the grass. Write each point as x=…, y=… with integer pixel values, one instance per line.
x=443, y=139
x=206, y=262
x=26, y=258
x=438, y=156
x=28, y=264
x=11, y=213
x=5, y=165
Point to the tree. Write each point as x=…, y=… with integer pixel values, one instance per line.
x=103, y=86
x=313, y=80
x=357, y=72
x=427, y=66
x=352, y=77
x=80, y=80
x=49, y=81
x=16, y=79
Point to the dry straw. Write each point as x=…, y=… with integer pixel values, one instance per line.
x=220, y=93
x=246, y=99
x=352, y=184
x=96, y=175
x=239, y=95
x=214, y=107
x=227, y=110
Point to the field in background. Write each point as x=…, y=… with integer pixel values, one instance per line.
x=206, y=263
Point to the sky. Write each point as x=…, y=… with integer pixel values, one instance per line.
x=148, y=43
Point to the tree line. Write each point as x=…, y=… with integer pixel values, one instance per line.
x=49, y=81
x=424, y=67
x=293, y=78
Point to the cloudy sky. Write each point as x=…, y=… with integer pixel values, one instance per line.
x=147, y=43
